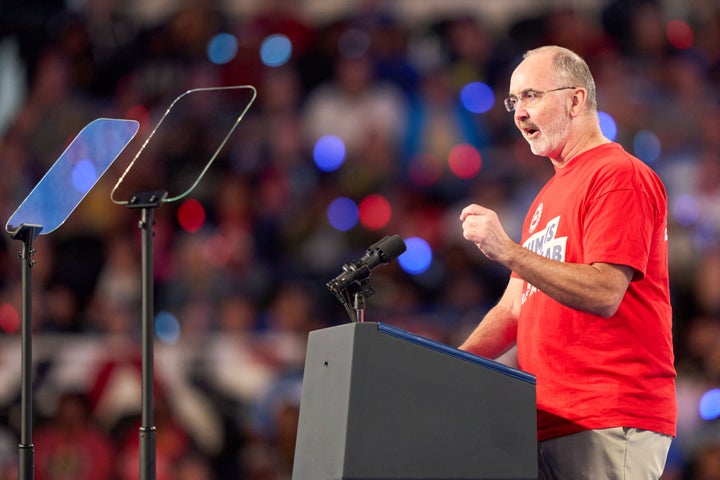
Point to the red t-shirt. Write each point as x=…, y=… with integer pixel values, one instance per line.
x=593, y=372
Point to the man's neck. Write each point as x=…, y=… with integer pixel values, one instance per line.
x=575, y=146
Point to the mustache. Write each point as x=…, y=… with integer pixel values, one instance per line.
x=528, y=126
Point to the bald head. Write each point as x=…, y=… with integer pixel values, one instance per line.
x=569, y=69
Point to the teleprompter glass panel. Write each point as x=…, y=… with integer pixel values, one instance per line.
x=194, y=131
x=73, y=174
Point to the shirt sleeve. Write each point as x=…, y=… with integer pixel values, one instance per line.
x=618, y=228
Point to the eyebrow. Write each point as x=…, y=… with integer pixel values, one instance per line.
x=524, y=91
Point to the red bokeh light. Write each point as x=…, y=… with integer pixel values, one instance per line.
x=191, y=215
x=464, y=161
x=9, y=318
x=679, y=34
x=139, y=113
x=375, y=212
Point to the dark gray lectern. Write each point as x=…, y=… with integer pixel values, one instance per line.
x=381, y=403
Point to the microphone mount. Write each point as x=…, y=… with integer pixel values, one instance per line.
x=352, y=286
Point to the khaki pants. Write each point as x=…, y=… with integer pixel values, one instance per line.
x=612, y=454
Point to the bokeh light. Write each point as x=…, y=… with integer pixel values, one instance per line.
x=375, y=212
x=418, y=256
x=685, y=210
x=477, y=97
x=646, y=146
x=191, y=215
x=9, y=318
x=342, y=213
x=84, y=175
x=329, y=153
x=464, y=161
x=679, y=34
x=222, y=48
x=167, y=327
x=709, y=407
x=275, y=50
x=608, y=125
x=141, y=114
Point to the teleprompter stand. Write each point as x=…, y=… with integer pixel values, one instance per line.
x=47, y=207
x=147, y=202
x=26, y=234
x=221, y=109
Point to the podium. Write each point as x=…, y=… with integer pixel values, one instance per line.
x=381, y=403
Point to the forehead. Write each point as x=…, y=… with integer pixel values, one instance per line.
x=534, y=73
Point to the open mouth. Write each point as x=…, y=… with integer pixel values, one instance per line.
x=531, y=132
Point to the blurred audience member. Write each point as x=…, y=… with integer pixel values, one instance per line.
x=71, y=446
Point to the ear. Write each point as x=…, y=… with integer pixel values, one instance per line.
x=579, y=100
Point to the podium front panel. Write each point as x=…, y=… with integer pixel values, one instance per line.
x=380, y=403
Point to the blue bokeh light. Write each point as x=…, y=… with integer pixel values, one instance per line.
x=646, y=146
x=709, y=406
x=84, y=176
x=167, y=327
x=329, y=153
x=418, y=256
x=342, y=213
x=685, y=209
x=608, y=125
x=222, y=48
x=477, y=97
x=275, y=50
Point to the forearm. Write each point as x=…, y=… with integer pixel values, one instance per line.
x=493, y=336
x=497, y=332
x=596, y=288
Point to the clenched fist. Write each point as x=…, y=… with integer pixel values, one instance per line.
x=482, y=227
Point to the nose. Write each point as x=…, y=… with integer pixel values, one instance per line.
x=520, y=114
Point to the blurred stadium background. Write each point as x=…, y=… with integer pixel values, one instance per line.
x=372, y=118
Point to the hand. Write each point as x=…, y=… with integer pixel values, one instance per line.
x=482, y=227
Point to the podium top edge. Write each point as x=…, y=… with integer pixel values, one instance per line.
x=486, y=362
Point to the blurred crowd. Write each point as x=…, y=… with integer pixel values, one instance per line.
x=248, y=286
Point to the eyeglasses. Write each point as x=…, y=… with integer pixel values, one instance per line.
x=529, y=98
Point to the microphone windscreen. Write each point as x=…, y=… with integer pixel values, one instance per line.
x=391, y=247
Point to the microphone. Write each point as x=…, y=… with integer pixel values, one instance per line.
x=383, y=251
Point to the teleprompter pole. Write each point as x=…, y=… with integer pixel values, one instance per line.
x=26, y=451
x=147, y=202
